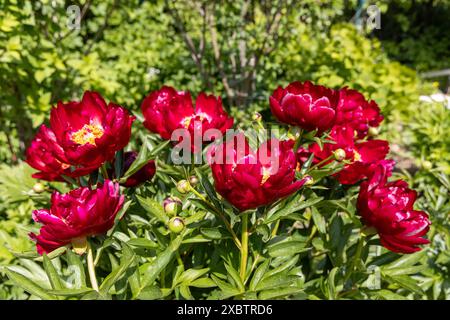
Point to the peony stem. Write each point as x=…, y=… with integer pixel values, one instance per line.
x=321, y=162
x=244, y=246
x=225, y=221
x=356, y=258
x=91, y=267
x=104, y=171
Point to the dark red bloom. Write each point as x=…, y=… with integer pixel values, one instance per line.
x=81, y=137
x=360, y=154
x=249, y=179
x=388, y=207
x=144, y=174
x=354, y=110
x=76, y=215
x=166, y=110
x=305, y=105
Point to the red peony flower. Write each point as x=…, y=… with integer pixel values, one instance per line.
x=81, y=137
x=388, y=207
x=305, y=105
x=144, y=174
x=76, y=215
x=249, y=179
x=166, y=110
x=354, y=110
x=361, y=154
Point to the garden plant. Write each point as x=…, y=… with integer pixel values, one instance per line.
x=211, y=150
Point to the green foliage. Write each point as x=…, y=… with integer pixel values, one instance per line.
x=308, y=246
x=414, y=33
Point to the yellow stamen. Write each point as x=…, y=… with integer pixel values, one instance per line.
x=356, y=156
x=87, y=134
x=186, y=122
x=266, y=175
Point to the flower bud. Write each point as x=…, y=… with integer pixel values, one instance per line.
x=427, y=165
x=183, y=186
x=339, y=154
x=308, y=180
x=172, y=206
x=193, y=180
x=256, y=116
x=373, y=132
x=38, y=188
x=176, y=225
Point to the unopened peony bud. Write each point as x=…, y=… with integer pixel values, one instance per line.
x=427, y=165
x=172, y=206
x=176, y=225
x=183, y=186
x=373, y=132
x=339, y=154
x=38, y=188
x=257, y=116
x=308, y=180
x=193, y=180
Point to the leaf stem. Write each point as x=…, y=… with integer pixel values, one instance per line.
x=104, y=171
x=244, y=246
x=321, y=162
x=220, y=214
x=356, y=258
x=91, y=267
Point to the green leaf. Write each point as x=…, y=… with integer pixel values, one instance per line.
x=28, y=285
x=153, y=269
x=190, y=275
x=235, y=276
x=207, y=186
x=53, y=254
x=154, y=208
x=185, y=292
x=259, y=274
x=287, y=248
x=126, y=261
x=196, y=239
x=227, y=289
x=405, y=282
x=331, y=284
x=211, y=233
x=77, y=268
x=280, y=293
x=142, y=243
x=203, y=283
x=319, y=220
x=406, y=260
x=150, y=293
x=389, y=295
x=306, y=165
x=71, y=292
x=406, y=270
x=275, y=281
x=291, y=207
x=283, y=267
x=53, y=276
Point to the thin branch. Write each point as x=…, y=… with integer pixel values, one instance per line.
x=83, y=13
x=217, y=54
x=103, y=27
x=196, y=56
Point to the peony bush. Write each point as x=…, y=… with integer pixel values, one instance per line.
x=177, y=203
